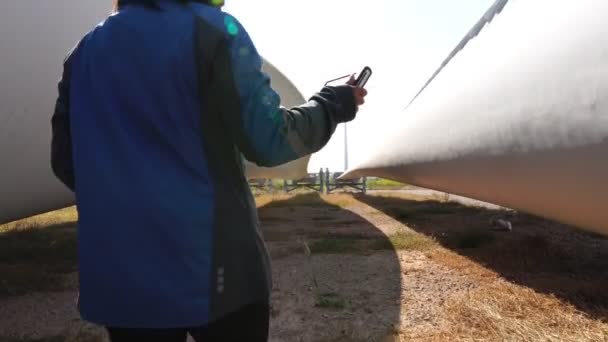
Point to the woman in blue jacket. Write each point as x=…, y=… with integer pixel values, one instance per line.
x=156, y=106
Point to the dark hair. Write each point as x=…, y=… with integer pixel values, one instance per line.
x=154, y=3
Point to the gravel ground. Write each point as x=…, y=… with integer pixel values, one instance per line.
x=368, y=295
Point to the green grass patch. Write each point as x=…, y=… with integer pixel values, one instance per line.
x=330, y=300
x=273, y=184
x=384, y=184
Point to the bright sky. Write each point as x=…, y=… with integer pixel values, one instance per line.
x=403, y=41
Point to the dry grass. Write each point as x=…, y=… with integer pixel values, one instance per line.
x=411, y=241
x=429, y=208
x=472, y=238
x=382, y=196
x=35, y=254
x=461, y=264
x=304, y=200
x=62, y=216
x=497, y=310
x=502, y=310
x=357, y=244
x=265, y=199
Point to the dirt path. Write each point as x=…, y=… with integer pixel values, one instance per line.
x=390, y=269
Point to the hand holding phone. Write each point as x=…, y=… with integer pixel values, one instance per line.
x=358, y=84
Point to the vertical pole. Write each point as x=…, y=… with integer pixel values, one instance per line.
x=321, y=181
x=345, y=148
x=327, y=184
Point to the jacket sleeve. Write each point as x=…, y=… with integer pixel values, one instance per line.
x=61, y=143
x=266, y=133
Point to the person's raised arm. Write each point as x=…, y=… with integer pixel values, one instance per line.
x=266, y=133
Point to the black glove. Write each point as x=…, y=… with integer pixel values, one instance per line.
x=338, y=102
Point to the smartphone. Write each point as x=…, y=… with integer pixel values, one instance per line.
x=363, y=77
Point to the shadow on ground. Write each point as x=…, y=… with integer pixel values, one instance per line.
x=336, y=276
x=36, y=258
x=543, y=255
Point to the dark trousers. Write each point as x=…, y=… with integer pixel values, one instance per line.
x=248, y=324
